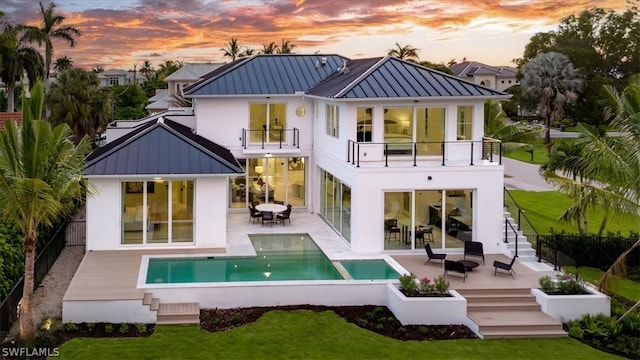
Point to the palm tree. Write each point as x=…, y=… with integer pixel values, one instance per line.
x=63, y=64
x=513, y=136
x=551, y=78
x=97, y=69
x=146, y=69
x=232, y=49
x=51, y=28
x=270, y=48
x=40, y=176
x=76, y=99
x=16, y=59
x=286, y=47
x=247, y=52
x=406, y=52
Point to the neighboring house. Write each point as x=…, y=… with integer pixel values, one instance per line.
x=119, y=77
x=6, y=116
x=188, y=74
x=376, y=147
x=494, y=77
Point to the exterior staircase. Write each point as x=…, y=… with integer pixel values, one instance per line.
x=526, y=252
x=173, y=313
x=509, y=313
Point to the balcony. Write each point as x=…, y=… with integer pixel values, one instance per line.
x=278, y=140
x=444, y=153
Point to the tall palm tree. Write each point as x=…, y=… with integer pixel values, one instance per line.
x=98, y=69
x=406, y=52
x=232, y=49
x=50, y=29
x=552, y=79
x=76, y=99
x=17, y=57
x=247, y=52
x=146, y=69
x=286, y=47
x=270, y=48
x=63, y=63
x=40, y=176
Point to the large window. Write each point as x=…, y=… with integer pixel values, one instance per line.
x=157, y=212
x=335, y=203
x=404, y=126
x=364, y=129
x=464, y=123
x=267, y=122
x=332, y=120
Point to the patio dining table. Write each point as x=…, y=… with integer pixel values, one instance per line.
x=275, y=208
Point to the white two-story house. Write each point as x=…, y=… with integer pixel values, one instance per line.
x=389, y=153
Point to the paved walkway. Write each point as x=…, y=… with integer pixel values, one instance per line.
x=523, y=176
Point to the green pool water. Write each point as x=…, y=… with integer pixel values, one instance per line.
x=369, y=269
x=278, y=257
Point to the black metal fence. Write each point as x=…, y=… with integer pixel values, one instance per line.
x=76, y=233
x=44, y=260
x=577, y=250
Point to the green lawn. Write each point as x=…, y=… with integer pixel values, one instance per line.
x=539, y=154
x=309, y=335
x=544, y=208
x=623, y=287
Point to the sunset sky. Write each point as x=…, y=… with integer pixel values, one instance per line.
x=121, y=33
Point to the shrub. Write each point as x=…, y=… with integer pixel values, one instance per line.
x=124, y=328
x=546, y=284
x=408, y=283
x=141, y=328
x=70, y=327
x=442, y=285
x=90, y=326
x=108, y=328
x=380, y=326
x=575, y=329
x=426, y=287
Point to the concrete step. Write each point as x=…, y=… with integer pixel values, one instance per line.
x=518, y=334
x=178, y=313
x=516, y=324
x=155, y=304
x=503, y=306
x=494, y=292
x=146, y=300
x=499, y=299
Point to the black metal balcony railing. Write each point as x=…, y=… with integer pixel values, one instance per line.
x=279, y=137
x=446, y=151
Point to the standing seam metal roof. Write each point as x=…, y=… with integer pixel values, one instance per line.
x=161, y=148
x=268, y=75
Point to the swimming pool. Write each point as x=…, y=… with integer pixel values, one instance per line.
x=279, y=257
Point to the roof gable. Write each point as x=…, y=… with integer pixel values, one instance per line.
x=395, y=78
x=281, y=74
x=161, y=148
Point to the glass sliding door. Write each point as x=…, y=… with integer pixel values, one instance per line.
x=295, y=181
x=459, y=217
x=463, y=129
x=397, y=222
x=364, y=127
x=267, y=122
x=157, y=212
x=335, y=203
x=430, y=130
x=398, y=130
x=270, y=179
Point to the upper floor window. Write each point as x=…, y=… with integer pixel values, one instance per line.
x=268, y=122
x=463, y=128
x=113, y=80
x=332, y=122
x=364, y=125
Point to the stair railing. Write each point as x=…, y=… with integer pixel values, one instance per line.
x=507, y=225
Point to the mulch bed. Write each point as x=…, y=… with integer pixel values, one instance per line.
x=378, y=319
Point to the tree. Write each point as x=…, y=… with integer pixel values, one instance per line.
x=286, y=47
x=76, y=99
x=406, y=52
x=51, y=28
x=63, y=64
x=512, y=136
x=98, y=69
x=232, y=49
x=247, y=52
x=129, y=101
x=146, y=69
x=270, y=48
x=440, y=67
x=605, y=45
x=17, y=57
x=167, y=68
x=40, y=177
x=551, y=78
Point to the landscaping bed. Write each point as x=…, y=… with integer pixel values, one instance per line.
x=378, y=319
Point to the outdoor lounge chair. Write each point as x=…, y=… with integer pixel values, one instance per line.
x=473, y=248
x=432, y=255
x=504, y=266
x=455, y=266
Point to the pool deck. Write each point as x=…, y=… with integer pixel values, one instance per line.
x=113, y=275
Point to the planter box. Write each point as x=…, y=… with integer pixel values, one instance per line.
x=427, y=310
x=573, y=307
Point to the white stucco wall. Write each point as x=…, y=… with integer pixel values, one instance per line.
x=221, y=120
x=104, y=215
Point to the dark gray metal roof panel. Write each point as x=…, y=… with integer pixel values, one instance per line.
x=395, y=78
x=267, y=75
x=162, y=149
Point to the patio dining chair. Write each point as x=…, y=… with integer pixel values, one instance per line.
x=254, y=214
x=285, y=215
x=267, y=217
